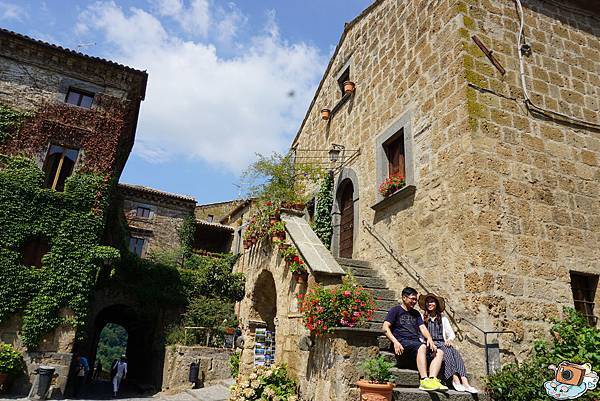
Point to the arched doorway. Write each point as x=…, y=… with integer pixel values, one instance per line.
x=264, y=308
x=139, y=350
x=346, y=204
x=264, y=299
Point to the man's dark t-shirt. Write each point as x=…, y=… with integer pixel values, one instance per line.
x=405, y=324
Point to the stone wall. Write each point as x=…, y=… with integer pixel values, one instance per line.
x=503, y=203
x=167, y=214
x=536, y=215
x=214, y=365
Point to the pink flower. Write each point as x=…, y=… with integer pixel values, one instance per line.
x=347, y=293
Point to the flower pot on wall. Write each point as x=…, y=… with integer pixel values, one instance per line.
x=300, y=277
x=375, y=391
x=349, y=87
x=325, y=114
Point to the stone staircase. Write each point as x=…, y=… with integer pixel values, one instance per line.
x=407, y=380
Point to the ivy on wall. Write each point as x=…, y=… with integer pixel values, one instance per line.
x=10, y=121
x=71, y=221
x=323, y=225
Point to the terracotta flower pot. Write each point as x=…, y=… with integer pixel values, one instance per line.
x=300, y=277
x=325, y=114
x=349, y=87
x=274, y=218
x=253, y=239
x=247, y=243
x=375, y=391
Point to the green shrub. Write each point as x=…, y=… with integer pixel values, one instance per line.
x=234, y=364
x=11, y=361
x=573, y=340
x=378, y=370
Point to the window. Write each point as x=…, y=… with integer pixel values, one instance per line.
x=345, y=76
x=141, y=211
x=394, y=151
x=34, y=250
x=584, y=292
x=136, y=245
x=59, y=166
x=79, y=98
x=210, y=218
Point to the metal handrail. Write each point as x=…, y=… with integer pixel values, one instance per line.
x=423, y=283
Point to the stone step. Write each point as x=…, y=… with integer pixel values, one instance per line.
x=360, y=271
x=414, y=394
x=384, y=294
x=379, y=316
x=353, y=262
x=374, y=325
x=372, y=282
x=406, y=377
x=386, y=304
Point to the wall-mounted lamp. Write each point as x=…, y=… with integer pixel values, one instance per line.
x=334, y=152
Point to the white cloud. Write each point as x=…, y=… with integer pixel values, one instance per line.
x=200, y=105
x=194, y=19
x=12, y=11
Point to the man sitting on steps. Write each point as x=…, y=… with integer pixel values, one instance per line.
x=403, y=326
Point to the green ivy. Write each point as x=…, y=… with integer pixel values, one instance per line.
x=10, y=120
x=11, y=361
x=323, y=226
x=72, y=222
x=186, y=235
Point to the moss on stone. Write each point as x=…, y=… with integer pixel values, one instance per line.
x=469, y=22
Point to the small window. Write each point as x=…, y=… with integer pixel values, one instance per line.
x=79, y=98
x=584, y=291
x=34, y=250
x=210, y=218
x=141, y=211
x=59, y=166
x=343, y=78
x=394, y=151
x=136, y=245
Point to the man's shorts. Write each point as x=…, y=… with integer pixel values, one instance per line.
x=411, y=347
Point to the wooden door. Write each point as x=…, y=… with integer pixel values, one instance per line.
x=347, y=221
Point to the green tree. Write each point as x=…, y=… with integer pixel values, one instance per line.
x=111, y=345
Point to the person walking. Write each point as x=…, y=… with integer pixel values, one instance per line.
x=97, y=371
x=120, y=369
x=441, y=331
x=81, y=369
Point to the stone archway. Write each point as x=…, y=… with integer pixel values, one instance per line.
x=145, y=330
x=345, y=202
x=264, y=299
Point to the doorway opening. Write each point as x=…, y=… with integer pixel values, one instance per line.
x=346, y=202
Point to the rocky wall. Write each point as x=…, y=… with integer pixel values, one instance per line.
x=214, y=365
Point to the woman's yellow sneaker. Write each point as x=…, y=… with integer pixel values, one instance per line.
x=428, y=384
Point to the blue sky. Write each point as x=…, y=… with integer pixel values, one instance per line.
x=226, y=79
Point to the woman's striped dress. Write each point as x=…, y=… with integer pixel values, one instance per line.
x=453, y=362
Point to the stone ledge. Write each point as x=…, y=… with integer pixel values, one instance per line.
x=395, y=197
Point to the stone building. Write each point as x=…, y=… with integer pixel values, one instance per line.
x=154, y=217
x=82, y=116
x=500, y=209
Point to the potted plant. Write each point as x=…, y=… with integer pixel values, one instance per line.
x=348, y=305
x=298, y=269
x=349, y=87
x=265, y=383
x=391, y=185
x=11, y=362
x=277, y=231
x=325, y=114
x=379, y=380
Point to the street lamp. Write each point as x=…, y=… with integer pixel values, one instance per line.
x=334, y=152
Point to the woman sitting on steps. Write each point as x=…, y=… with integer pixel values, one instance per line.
x=443, y=335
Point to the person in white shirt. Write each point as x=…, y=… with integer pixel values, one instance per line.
x=443, y=336
x=120, y=368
